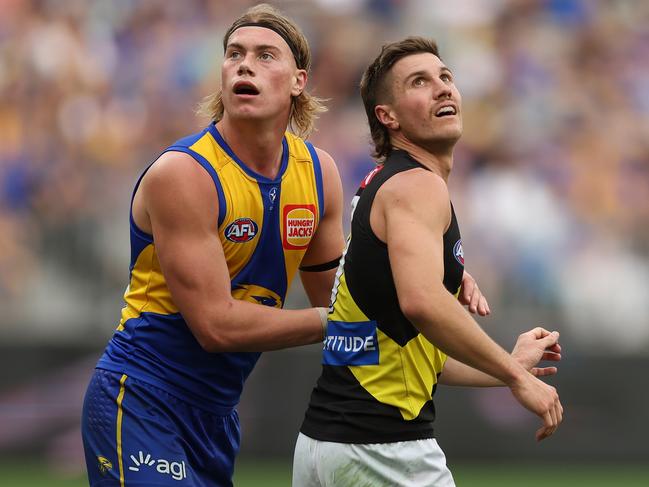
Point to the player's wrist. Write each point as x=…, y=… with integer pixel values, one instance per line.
x=515, y=374
x=323, y=313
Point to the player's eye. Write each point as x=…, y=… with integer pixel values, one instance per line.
x=446, y=77
x=266, y=56
x=234, y=55
x=418, y=81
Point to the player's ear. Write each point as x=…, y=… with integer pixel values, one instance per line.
x=299, y=82
x=386, y=116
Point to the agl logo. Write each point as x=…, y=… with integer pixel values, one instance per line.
x=177, y=470
x=241, y=230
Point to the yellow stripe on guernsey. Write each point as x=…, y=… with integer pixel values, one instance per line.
x=245, y=201
x=405, y=376
x=120, y=414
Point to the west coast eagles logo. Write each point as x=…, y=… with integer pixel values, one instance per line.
x=104, y=465
x=299, y=225
x=256, y=294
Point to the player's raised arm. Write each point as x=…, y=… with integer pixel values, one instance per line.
x=416, y=260
x=318, y=267
x=177, y=200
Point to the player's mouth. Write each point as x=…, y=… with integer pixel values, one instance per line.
x=446, y=111
x=245, y=89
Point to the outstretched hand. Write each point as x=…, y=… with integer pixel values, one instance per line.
x=537, y=345
x=471, y=296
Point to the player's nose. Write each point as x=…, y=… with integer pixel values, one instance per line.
x=245, y=66
x=442, y=91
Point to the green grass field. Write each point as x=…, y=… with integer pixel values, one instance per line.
x=273, y=474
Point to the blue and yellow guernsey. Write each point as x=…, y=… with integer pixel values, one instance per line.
x=265, y=227
x=379, y=373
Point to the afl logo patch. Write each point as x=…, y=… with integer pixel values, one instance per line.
x=458, y=252
x=241, y=230
x=299, y=225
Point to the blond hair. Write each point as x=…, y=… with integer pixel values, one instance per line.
x=304, y=107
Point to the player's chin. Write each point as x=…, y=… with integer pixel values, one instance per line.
x=247, y=112
x=448, y=133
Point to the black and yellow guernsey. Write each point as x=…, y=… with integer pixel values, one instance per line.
x=379, y=373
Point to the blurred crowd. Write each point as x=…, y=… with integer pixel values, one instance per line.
x=551, y=178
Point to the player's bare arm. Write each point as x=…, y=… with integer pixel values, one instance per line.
x=178, y=205
x=418, y=201
x=328, y=243
x=531, y=348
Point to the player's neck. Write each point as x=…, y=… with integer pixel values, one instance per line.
x=438, y=159
x=258, y=146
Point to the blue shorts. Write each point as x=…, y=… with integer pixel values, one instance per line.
x=135, y=434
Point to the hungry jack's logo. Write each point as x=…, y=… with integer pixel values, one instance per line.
x=299, y=225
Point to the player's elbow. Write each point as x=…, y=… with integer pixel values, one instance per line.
x=217, y=341
x=214, y=342
x=212, y=333
x=414, y=307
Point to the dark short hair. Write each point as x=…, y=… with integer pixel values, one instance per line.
x=375, y=91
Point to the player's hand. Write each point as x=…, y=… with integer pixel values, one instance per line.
x=536, y=345
x=543, y=400
x=471, y=296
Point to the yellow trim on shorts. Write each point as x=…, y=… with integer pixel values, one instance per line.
x=120, y=398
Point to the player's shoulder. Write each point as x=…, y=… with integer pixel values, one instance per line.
x=178, y=174
x=324, y=157
x=332, y=184
x=417, y=187
x=305, y=150
x=173, y=167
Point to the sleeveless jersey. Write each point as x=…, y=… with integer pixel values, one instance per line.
x=265, y=227
x=379, y=373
